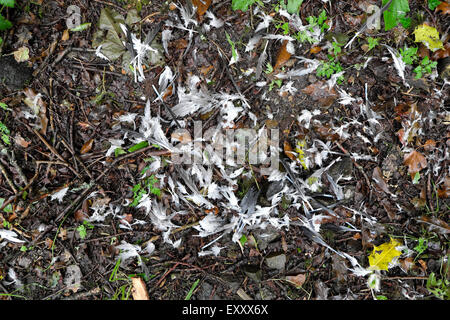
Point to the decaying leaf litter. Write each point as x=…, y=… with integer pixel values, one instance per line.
x=91, y=201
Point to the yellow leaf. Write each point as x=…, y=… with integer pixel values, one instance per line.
x=383, y=255
x=429, y=36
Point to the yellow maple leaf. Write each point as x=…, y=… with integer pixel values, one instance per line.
x=383, y=255
x=429, y=36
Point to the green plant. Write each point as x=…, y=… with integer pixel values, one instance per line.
x=328, y=68
x=82, y=229
x=395, y=14
x=421, y=246
x=372, y=42
x=191, y=291
x=426, y=66
x=318, y=21
x=243, y=4
x=439, y=287
x=5, y=23
x=336, y=47
x=432, y=4
x=144, y=187
x=4, y=133
x=409, y=55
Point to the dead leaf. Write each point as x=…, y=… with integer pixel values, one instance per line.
x=183, y=136
x=444, y=192
x=283, y=56
x=407, y=264
x=315, y=49
x=202, y=6
x=377, y=176
x=21, y=141
x=415, y=162
x=444, y=7
x=87, y=146
x=435, y=224
x=38, y=105
x=429, y=145
x=22, y=54
x=65, y=35
x=139, y=290
x=289, y=152
x=297, y=280
x=320, y=91
x=442, y=53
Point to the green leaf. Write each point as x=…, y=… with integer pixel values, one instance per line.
x=241, y=4
x=4, y=23
x=396, y=11
x=81, y=27
x=243, y=240
x=293, y=6
x=82, y=231
x=432, y=4
x=191, y=291
x=416, y=178
x=138, y=146
x=4, y=106
x=8, y=3
x=118, y=152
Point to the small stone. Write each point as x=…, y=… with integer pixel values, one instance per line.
x=276, y=261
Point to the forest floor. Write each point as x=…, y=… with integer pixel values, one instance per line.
x=94, y=206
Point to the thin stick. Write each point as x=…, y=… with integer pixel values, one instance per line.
x=8, y=179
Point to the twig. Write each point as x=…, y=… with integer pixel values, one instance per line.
x=8, y=179
x=53, y=150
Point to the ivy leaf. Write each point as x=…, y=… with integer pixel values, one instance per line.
x=383, y=255
x=7, y=3
x=429, y=36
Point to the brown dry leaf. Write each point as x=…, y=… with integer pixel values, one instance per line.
x=139, y=290
x=444, y=7
x=319, y=91
x=442, y=53
x=80, y=216
x=297, y=280
x=65, y=35
x=182, y=136
x=429, y=145
x=415, y=162
x=21, y=141
x=315, y=49
x=87, y=146
x=435, y=224
x=283, y=56
x=407, y=264
x=444, y=191
x=289, y=152
x=377, y=176
x=202, y=6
